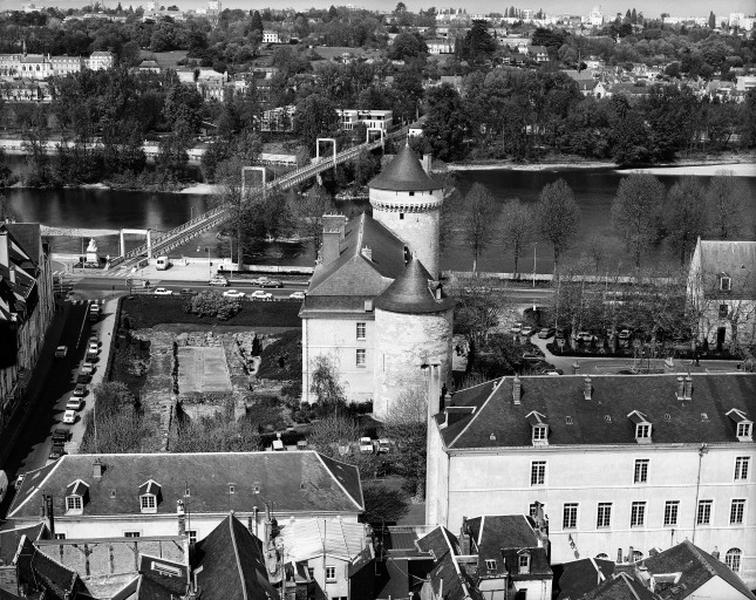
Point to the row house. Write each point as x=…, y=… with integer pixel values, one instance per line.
x=440, y=46
x=350, y=118
x=622, y=464
x=41, y=66
x=26, y=310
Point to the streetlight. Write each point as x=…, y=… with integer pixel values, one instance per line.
x=535, y=245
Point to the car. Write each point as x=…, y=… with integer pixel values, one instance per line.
x=94, y=339
x=80, y=390
x=366, y=445
x=83, y=378
x=260, y=295
x=61, y=351
x=69, y=417
x=546, y=332
x=74, y=403
x=532, y=356
x=56, y=451
x=218, y=280
x=585, y=336
x=161, y=291
x=93, y=348
x=270, y=283
x=59, y=435
x=515, y=329
x=19, y=480
x=527, y=331
x=624, y=335
x=88, y=368
x=383, y=446
x=187, y=292
x=233, y=294
x=298, y=295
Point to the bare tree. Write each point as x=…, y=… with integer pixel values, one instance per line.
x=477, y=218
x=407, y=425
x=726, y=198
x=635, y=212
x=517, y=228
x=685, y=215
x=325, y=384
x=557, y=216
x=307, y=212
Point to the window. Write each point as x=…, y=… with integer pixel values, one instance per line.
x=148, y=503
x=330, y=573
x=60, y=536
x=641, y=470
x=401, y=216
x=744, y=431
x=490, y=564
x=723, y=311
x=643, y=431
x=131, y=534
x=604, y=514
x=360, y=357
x=670, y=512
x=539, y=433
x=74, y=504
x=736, y=511
x=569, y=516
x=360, y=330
x=732, y=559
x=192, y=533
x=703, y=515
x=524, y=563
x=412, y=193
x=725, y=283
x=310, y=573
x=538, y=472
x=741, y=467
x=637, y=514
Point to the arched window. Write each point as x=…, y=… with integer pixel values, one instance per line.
x=732, y=559
x=637, y=556
x=603, y=556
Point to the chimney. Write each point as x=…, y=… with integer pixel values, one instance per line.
x=48, y=512
x=181, y=515
x=4, y=257
x=688, y=387
x=97, y=468
x=516, y=390
x=12, y=274
x=587, y=388
x=334, y=229
x=367, y=252
x=427, y=162
x=464, y=538
x=680, y=387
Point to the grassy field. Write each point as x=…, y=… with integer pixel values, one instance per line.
x=142, y=312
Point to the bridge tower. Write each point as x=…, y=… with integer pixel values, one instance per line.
x=407, y=200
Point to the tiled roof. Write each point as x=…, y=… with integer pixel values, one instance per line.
x=734, y=258
x=620, y=587
x=578, y=577
x=10, y=539
x=411, y=294
x=28, y=236
x=296, y=482
x=446, y=575
x=305, y=539
x=696, y=567
x=233, y=564
x=404, y=174
x=603, y=419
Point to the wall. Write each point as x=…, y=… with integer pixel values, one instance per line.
x=486, y=483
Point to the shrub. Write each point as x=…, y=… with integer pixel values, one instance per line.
x=212, y=304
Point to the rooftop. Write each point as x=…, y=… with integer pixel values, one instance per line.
x=404, y=174
x=411, y=293
x=736, y=259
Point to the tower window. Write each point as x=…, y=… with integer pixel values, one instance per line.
x=412, y=193
x=401, y=216
x=360, y=357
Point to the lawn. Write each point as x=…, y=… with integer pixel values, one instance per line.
x=143, y=312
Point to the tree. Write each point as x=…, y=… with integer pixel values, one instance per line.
x=685, y=215
x=307, y=210
x=257, y=23
x=477, y=219
x=726, y=198
x=407, y=425
x=325, y=384
x=636, y=211
x=475, y=314
x=557, y=214
x=217, y=433
x=516, y=229
x=406, y=46
x=478, y=46
x=117, y=423
x=448, y=125
x=712, y=20
x=332, y=434
x=211, y=303
x=315, y=117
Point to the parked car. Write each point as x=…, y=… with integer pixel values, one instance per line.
x=260, y=295
x=93, y=348
x=161, y=291
x=624, y=335
x=532, y=356
x=187, y=292
x=88, y=368
x=83, y=378
x=56, y=451
x=366, y=445
x=94, y=339
x=233, y=294
x=298, y=295
x=515, y=329
x=270, y=283
x=585, y=336
x=383, y=446
x=60, y=435
x=61, y=351
x=74, y=403
x=218, y=280
x=527, y=330
x=19, y=480
x=80, y=390
x=546, y=332
x=69, y=417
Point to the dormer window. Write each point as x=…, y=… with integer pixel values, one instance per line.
x=149, y=496
x=725, y=283
x=76, y=495
x=524, y=563
x=539, y=428
x=490, y=564
x=743, y=425
x=642, y=427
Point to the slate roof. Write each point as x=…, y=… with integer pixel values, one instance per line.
x=28, y=236
x=734, y=258
x=44, y=573
x=233, y=564
x=620, y=587
x=404, y=174
x=410, y=293
x=302, y=481
x=11, y=538
x=157, y=582
x=446, y=574
x=578, y=577
x=697, y=568
x=602, y=419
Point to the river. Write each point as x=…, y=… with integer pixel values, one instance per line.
x=594, y=190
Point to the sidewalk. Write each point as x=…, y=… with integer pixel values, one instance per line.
x=105, y=329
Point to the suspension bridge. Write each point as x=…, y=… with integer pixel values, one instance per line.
x=163, y=243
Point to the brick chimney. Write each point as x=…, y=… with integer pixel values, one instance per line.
x=334, y=229
x=516, y=390
x=181, y=516
x=587, y=388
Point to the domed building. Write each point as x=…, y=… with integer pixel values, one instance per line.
x=374, y=307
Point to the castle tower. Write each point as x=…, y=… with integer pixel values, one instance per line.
x=413, y=327
x=408, y=201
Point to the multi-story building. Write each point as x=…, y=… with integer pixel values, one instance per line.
x=26, y=309
x=270, y=36
x=41, y=66
x=623, y=464
x=722, y=292
x=371, y=119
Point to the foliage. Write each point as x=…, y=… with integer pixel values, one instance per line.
x=306, y=212
x=383, y=505
x=476, y=313
x=685, y=216
x=407, y=426
x=726, y=200
x=478, y=224
x=478, y=46
x=448, y=124
x=117, y=423
x=315, y=117
x=636, y=211
x=407, y=46
x=211, y=303
x=330, y=433
x=325, y=384
x=517, y=228
x=216, y=433
x=557, y=214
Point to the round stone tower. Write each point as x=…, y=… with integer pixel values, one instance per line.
x=413, y=325
x=408, y=202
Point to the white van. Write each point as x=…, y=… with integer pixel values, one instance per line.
x=162, y=263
